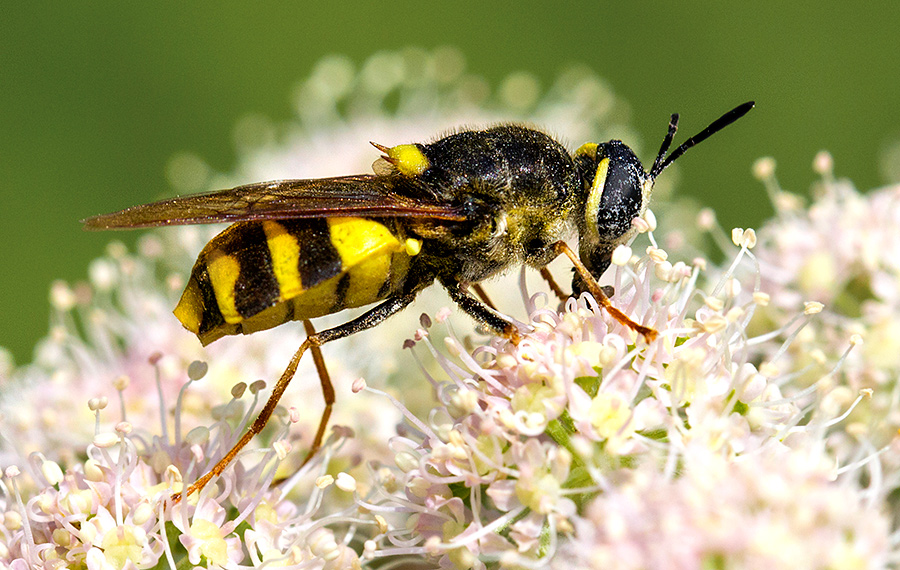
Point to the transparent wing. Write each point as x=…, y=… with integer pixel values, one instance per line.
x=362, y=195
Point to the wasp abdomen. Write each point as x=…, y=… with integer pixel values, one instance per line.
x=257, y=275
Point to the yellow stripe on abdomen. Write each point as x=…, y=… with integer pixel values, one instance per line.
x=285, y=252
x=223, y=274
x=190, y=307
x=366, y=249
x=257, y=275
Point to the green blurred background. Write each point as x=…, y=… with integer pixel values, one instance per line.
x=95, y=97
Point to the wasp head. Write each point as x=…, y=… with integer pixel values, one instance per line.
x=616, y=190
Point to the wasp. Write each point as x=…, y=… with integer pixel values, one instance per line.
x=458, y=210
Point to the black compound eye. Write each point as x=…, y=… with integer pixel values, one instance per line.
x=616, y=195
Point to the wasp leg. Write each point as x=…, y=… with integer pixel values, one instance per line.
x=608, y=290
x=594, y=289
x=482, y=312
x=482, y=294
x=327, y=393
x=367, y=320
x=557, y=290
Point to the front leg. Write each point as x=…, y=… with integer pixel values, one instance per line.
x=481, y=312
x=594, y=289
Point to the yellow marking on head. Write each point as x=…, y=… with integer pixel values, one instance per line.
x=408, y=159
x=223, y=274
x=190, y=307
x=589, y=149
x=412, y=246
x=593, y=201
x=285, y=252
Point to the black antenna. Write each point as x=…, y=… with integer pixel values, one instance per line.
x=662, y=161
x=667, y=141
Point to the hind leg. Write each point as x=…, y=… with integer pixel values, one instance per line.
x=312, y=342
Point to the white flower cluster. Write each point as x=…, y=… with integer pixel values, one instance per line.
x=582, y=445
x=757, y=431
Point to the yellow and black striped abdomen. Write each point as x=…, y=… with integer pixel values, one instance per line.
x=257, y=275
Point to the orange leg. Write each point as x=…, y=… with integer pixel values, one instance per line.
x=557, y=290
x=327, y=392
x=648, y=333
x=256, y=427
x=312, y=342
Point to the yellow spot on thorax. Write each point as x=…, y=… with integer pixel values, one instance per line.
x=408, y=159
